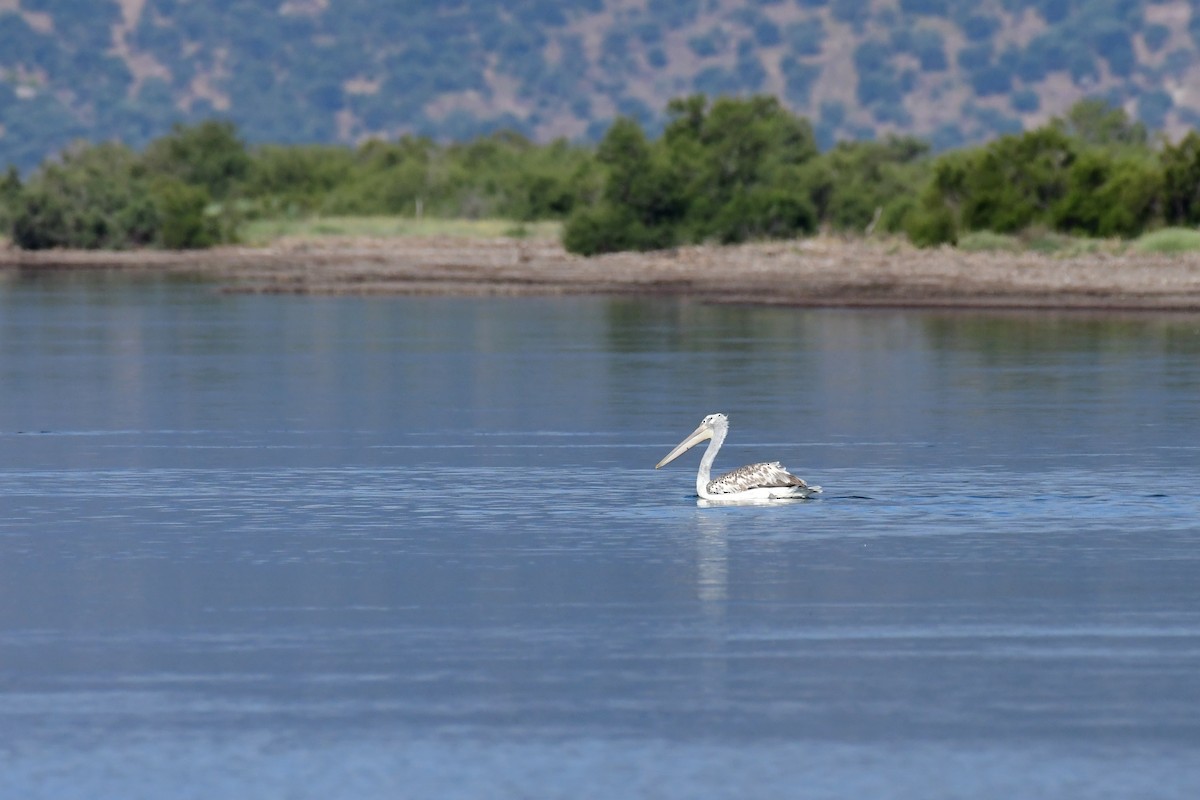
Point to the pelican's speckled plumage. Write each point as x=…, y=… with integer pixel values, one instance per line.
x=767, y=480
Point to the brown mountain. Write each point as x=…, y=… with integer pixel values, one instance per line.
x=345, y=70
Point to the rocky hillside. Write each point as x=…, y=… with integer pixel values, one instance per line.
x=950, y=71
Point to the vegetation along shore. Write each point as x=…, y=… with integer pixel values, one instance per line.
x=732, y=201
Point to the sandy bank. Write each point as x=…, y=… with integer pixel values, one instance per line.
x=816, y=272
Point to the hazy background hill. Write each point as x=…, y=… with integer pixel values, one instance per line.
x=951, y=71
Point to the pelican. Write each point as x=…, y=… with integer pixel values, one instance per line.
x=765, y=481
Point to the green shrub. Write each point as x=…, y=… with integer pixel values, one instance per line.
x=1181, y=181
x=10, y=194
x=1169, y=240
x=1109, y=196
x=930, y=226
x=183, y=221
x=1093, y=121
x=1091, y=174
x=298, y=177
x=209, y=154
x=895, y=214
x=95, y=198
x=1015, y=181
x=764, y=213
x=608, y=228
x=730, y=170
x=854, y=179
x=100, y=197
x=40, y=220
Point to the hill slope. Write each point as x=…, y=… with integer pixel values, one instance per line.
x=344, y=70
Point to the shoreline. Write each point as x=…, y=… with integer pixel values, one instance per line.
x=818, y=272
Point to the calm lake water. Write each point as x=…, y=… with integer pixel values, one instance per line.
x=285, y=547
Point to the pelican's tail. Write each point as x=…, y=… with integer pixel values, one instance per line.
x=801, y=492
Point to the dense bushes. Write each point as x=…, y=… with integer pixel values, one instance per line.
x=191, y=187
x=1092, y=173
x=10, y=191
x=96, y=197
x=740, y=169
x=859, y=184
x=1181, y=181
x=108, y=197
x=209, y=156
x=499, y=175
x=728, y=170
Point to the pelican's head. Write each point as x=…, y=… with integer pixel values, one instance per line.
x=710, y=426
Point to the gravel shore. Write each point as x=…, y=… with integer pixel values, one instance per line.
x=811, y=272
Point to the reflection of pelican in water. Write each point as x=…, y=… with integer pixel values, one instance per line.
x=751, y=482
x=712, y=560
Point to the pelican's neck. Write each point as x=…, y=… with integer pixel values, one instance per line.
x=703, y=476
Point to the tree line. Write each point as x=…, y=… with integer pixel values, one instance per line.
x=737, y=169
x=724, y=170
x=194, y=186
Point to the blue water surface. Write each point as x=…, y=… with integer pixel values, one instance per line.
x=288, y=547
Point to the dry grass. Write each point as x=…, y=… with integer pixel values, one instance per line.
x=266, y=231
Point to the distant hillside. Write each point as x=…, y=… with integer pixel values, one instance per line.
x=950, y=71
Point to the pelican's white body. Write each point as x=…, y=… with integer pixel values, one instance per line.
x=763, y=481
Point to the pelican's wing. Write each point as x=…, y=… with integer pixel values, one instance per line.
x=755, y=476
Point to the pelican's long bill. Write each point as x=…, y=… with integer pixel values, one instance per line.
x=694, y=438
